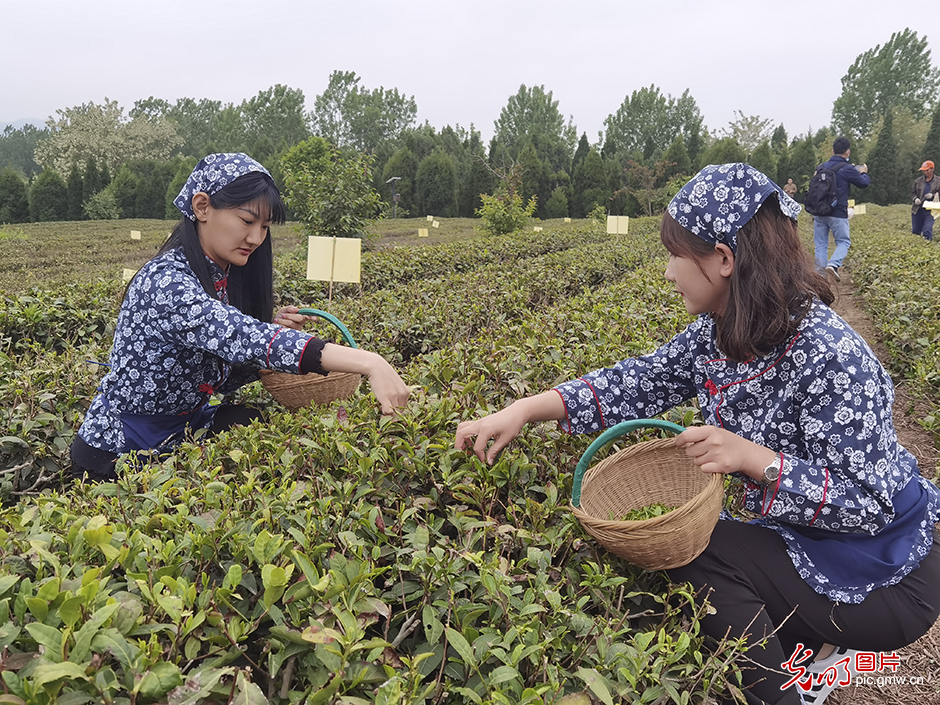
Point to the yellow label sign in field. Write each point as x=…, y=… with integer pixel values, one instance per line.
x=851, y=203
x=618, y=224
x=430, y=218
x=333, y=259
x=567, y=220
x=536, y=229
x=128, y=274
x=860, y=209
x=435, y=224
x=422, y=232
x=135, y=234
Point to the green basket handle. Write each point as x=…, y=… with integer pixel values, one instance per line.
x=332, y=319
x=612, y=434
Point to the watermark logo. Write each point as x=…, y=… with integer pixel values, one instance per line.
x=852, y=668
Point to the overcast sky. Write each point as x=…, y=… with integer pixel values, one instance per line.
x=460, y=60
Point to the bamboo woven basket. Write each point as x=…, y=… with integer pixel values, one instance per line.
x=651, y=472
x=298, y=391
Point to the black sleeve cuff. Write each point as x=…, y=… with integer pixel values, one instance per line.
x=310, y=360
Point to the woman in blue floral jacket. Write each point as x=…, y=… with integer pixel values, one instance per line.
x=795, y=403
x=197, y=320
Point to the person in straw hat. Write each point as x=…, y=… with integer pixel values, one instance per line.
x=842, y=555
x=196, y=320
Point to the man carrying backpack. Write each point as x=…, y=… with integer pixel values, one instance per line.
x=827, y=200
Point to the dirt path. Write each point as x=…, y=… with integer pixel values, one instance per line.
x=922, y=658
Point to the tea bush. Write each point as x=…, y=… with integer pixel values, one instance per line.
x=335, y=556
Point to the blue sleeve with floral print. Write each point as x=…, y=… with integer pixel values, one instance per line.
x=639, y=387
x=181, y=312
x=850, y=465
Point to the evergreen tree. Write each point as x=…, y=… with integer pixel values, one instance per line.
x=778, y=140
x=404, y=165
x=124, y=188
x=763, y=160
x=75, y=186
x=801, y=164
x=931, y=149
x=48, y=197
x=479, y=180
x=581, y=152
x=557, y=204
x=677, y=158
x=589, y=185
x=696, y=144
x=14, y=198
x=92, y=182
x=436, y=185
x=724, y=151
x=883, y=165
x=535, y=178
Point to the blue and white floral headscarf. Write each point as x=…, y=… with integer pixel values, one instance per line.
x=721, y=198
x=213, y=173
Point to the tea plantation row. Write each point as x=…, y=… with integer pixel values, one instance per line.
x=335, y=556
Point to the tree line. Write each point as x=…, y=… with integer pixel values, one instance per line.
x=95, y=161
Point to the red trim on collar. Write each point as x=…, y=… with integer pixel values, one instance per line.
x=722, y=388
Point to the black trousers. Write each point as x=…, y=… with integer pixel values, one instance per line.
x=94, y=465
x=754, y=588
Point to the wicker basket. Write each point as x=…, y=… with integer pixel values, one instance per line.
x=298, y=391
x=652, y=472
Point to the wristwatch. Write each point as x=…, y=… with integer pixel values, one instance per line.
x=771, y=473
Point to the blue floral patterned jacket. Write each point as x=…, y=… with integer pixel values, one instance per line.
x=174, y=346
x=850, y=502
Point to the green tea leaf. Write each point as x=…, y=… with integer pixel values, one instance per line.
x=461, y=646
x=50, y=672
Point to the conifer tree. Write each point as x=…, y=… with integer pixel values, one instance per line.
x=589, y=185
x=76, y=195
x=92, y=182
x=48, y=197
x=763, y=160
x=14, y=199
x=677, y=159
x=436, y=185
x=883, y=165
x=581, y=152
x=931, y=149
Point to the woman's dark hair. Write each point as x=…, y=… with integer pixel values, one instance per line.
x=250, y=287
x=772, y=287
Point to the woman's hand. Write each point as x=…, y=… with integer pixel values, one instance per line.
x=716, y=450
x=290, y=318
x=505, y=425
x=387, y=386
x=500, y=427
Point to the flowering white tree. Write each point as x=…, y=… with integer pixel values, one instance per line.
x=103, y=132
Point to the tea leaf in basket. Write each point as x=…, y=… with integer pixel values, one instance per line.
x=642, y=513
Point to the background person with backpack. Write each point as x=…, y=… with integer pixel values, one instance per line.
x=827, y=200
